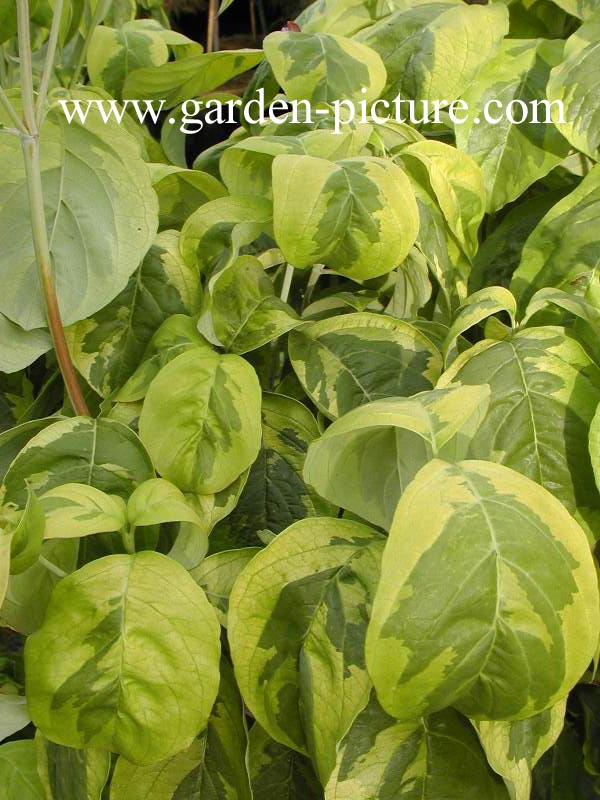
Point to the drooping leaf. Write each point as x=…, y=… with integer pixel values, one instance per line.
x=94, y=253
x=19, y=348
x=365, y=460
x=302, y=676
x=213, y=767
x=108, y=346
x=27, y=535
x=324, y=67
x=488, y=599
x=434, y=51
x=70, y=774
x=275, y=494
x=347, y=361
x=357, y=216
x=544, y=393
x=512, y=156
x=214, y=434
x=87, y=678
x=514, y=748
x=438, y=757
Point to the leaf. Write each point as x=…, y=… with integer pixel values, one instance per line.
x=77, y=509
x=303, y=678
x=279, y=773
x=18, y=772
x=357, y=216
x=215, y=434
x=213, y=767
x=112, y=54
x=366, y=459
x=189, y=77
x=5, y=541
x=69, y=774
x=87, y=679
x=241, y=310
x=97, y=160
x=512, y=156
x=156, y=501
x=439, y=757
x=584, y=9
x=27, y=536
x=275, y=494
x=217, y=574
x=544, y=393
x=323, y=67
x=107, y=347
x=13, y=440
x=434, y=51
x=562, y=251
x=477, y=307
x=514, y=748
x=19, y=348
x=347, y=361
x=99, y=452
x=13, y=711
x=181, y=191
x=488, y=598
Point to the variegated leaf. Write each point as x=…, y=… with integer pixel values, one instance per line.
x=275, y=494
x=563, y=250
x=512, y=156
x=488, y=599
x=514, y=748
x=87, y=678
x=347, y=361
x=108, y=347
x=156, y=501
x=365, y=460
x=217, y=573
x=436, y=757
x=78, y=509
x=19, y=778
x=476, y=308
x=324, y=67
x=70, y=774
x=301, y=674
x=181, y=191
x=358, y=216
x=99, y=452
x=279, y=773
x=545, y=390
x=213, y=767
x=434, y=51
x=201, y=420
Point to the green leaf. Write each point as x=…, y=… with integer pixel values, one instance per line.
x=27, y=535
x=217, y=574
x=302, y=676
x=70, y=774
x=18, y=772
x=584, y=9
x=5, y=540
x=108, y=347
x=476, y=308
x=98, y=452
x=19, y=348
x=156, y=501
x=13, y=440
x=434, y=51
x=488, y=599
x=77, y=509
x=87, y=678
x=357, y=216
x=113, y=54
x=213, y=767
x=190, y=77
x=181, y=192
x=275, y=495
x=544, y=393
x=279, y=773
x=323, y=67
x=241, y=311
x=347, y=361
x=78, y=161
x=512, y=156
x=514, y=748
x=439, y=757
x=365, y=460
x=563, y=250
x=13, y=708
x=201, y=420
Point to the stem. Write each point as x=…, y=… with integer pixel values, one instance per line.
x=52, y=567
x=128, y=536
x=49, y=62
x=314, y=276
x=287, y=282
x=8, y=107
x=212, y=25
x=31, y=155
